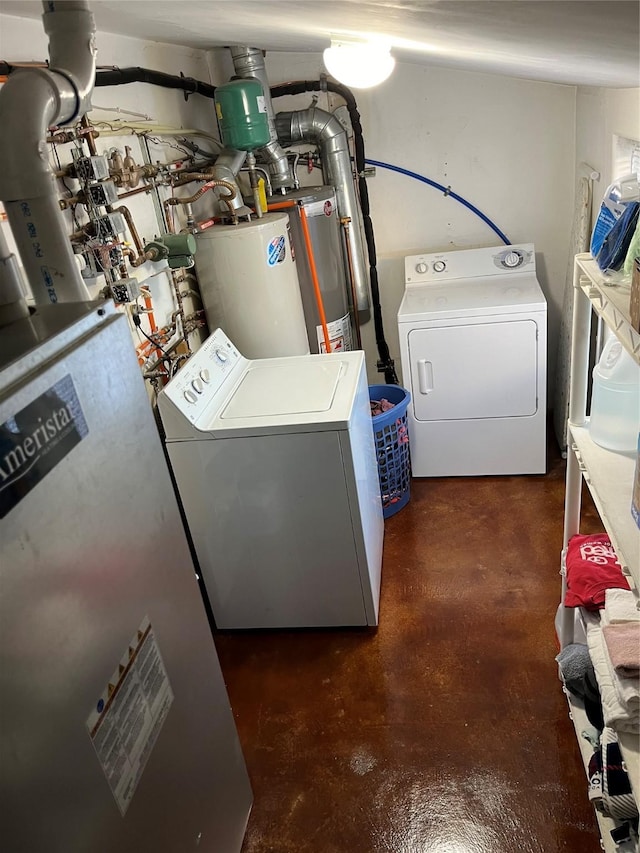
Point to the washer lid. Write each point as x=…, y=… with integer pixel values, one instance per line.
x=300, y=387
x=309, y=393
x=492, y=295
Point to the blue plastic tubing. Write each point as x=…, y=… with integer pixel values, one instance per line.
x=445, y=190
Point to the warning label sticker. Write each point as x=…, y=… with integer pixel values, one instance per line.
x=276, y=251
x=339, y=335
x=320, y=208
x=127, y=719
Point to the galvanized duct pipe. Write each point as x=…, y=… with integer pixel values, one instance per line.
x=31, y=101
x=325, y=131
x=249, y=62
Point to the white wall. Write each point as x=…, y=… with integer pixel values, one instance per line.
x=505, y=144
x=601, y=114
x=24, y=39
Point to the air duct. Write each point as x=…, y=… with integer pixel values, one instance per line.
x=249, y=62
x=31, y=101
x=323, y=129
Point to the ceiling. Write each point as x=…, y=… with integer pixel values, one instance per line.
x=577, y=42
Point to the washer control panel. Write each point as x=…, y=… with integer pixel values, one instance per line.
x=469, y=263
x=204, y=375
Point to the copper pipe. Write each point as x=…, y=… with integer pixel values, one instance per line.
x=190, y=177
x=167, y=351
x=145, y=189
x=61, y=137
x=68, y=202
x=131, y=225
x=210, y=184
x=88, y=133
x=136, y=260
x=76, y=199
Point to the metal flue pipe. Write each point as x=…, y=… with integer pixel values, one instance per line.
x=324, y=130
x=31, y=101
x=249, y=62
x=228, y=164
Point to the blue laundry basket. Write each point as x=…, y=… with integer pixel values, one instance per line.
x=392, y=447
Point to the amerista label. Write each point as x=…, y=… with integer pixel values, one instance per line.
x=36, y=439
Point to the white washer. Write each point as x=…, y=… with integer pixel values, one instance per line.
x=276, y=468
x=473, y=343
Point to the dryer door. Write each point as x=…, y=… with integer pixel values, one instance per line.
x=474, y=370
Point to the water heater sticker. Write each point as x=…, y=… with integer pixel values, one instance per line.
x=35, y=439
x=261, y=104
x=276, y=251
x=127, y=718
x=319, y=208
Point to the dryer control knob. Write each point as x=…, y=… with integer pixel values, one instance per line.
x=190, y=396
x=512, y=259
x=439, y=266
x=221, y=355
x=421, y=267
x=205, y=375
x=197, y=386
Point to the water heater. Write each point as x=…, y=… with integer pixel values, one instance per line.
x=249, y=286
x=319, y=205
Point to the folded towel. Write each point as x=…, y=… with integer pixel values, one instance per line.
x=627, y=689
x=623, y=645
x=574, y=661
x=620, y=605
x=615, y=714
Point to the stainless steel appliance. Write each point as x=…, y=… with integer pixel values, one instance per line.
x=116, y=732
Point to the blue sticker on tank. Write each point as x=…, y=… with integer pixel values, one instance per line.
x=276, y=251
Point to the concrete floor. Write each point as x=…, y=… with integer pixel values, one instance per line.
x=444, y=731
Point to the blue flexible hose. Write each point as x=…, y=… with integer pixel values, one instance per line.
x=445, y=190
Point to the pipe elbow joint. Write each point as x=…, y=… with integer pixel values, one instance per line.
x=71, y=29
x=311, y=125
x=26, y=172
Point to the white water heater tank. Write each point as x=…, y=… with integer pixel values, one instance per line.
x=249, y=286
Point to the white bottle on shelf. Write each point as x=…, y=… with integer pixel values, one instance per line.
x=615, y=404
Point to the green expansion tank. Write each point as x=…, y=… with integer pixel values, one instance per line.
x=242, y=114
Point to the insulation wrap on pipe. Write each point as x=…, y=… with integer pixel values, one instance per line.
x=31, y=101
x=119, y=76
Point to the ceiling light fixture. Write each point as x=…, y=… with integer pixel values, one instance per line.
x=359, y=64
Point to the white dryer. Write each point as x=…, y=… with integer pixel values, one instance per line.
x=276, y=468
x=473, y=343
